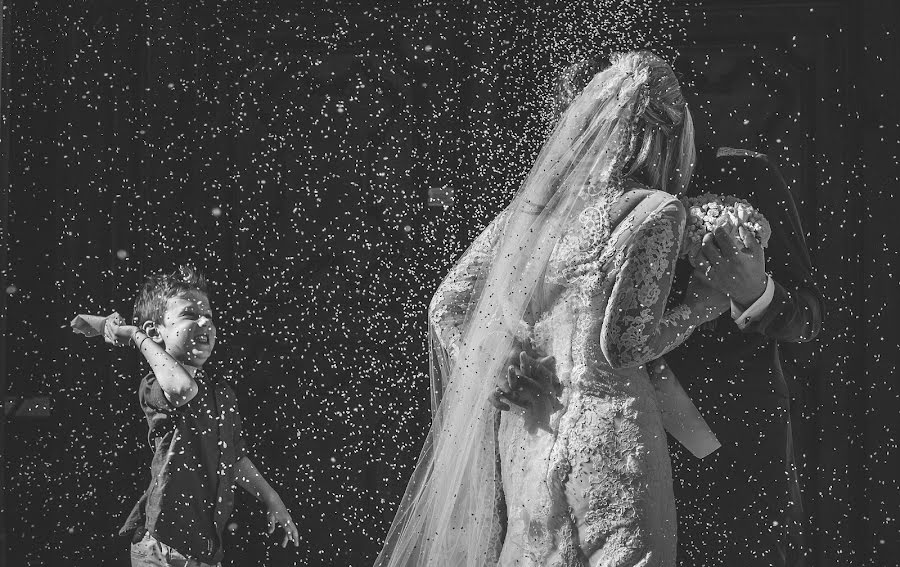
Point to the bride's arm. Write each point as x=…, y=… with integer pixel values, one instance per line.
x=637, y=328
x=450, y=303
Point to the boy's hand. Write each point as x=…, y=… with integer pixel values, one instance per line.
x=116, y=332
x=278, y=514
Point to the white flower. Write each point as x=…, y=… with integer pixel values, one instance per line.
x=710, y=211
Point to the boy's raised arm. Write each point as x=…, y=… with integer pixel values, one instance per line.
x=176, y=382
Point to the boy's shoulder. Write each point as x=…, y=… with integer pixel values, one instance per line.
x=152, y=398
x=214, y=389
x=213, y=380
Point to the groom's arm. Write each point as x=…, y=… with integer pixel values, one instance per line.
x=789, y=306
x=783, y=313
x=794, y=313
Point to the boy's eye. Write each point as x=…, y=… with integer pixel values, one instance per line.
x=196, y=316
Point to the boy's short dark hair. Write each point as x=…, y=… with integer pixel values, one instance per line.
x=160, y=287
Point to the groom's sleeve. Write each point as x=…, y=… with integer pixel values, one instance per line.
x=755, y=311
x=794, y=315
x=796, y=309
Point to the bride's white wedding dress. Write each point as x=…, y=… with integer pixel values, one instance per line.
x=589, y=484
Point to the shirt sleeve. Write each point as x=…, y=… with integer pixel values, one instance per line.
x=153, y=395
x=637, y=327
x=794, y=314
x=755, y=311
x=159, y=412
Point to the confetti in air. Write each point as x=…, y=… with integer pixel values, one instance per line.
x=325, y=167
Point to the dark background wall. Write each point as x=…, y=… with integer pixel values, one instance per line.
x=290, y=151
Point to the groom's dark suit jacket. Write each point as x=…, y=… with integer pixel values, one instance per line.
x=741, y=506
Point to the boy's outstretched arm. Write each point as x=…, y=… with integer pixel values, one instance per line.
x=250, y=479
x=177, y=384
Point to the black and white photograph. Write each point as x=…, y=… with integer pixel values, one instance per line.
x=450, y=283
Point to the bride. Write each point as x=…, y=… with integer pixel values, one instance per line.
x=579, y=267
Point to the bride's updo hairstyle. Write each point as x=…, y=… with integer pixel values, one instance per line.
x=661, y=151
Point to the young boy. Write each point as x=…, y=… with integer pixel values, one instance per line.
x=195, y=430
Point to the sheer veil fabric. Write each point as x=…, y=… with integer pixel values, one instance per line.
x=448, y=515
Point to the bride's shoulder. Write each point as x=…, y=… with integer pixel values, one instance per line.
x=635, y=193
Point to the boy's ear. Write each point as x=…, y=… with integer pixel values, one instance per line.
x=149, y=327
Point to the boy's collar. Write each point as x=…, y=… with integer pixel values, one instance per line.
x=192, y=370
x=204, y=376
x=195, y=372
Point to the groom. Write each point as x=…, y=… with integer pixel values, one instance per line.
x=742, y=504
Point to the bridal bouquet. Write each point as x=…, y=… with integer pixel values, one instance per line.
x=709, y=211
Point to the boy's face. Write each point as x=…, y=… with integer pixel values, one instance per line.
x=187, y=330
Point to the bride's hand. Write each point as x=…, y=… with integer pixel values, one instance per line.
x=702, y=297
x=528, y=380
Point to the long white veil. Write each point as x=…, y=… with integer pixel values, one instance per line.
x=448, y=514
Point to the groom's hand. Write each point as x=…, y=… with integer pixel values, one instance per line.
x=735, y=267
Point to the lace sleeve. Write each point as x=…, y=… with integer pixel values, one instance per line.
x=450, y=303
x=637, y=327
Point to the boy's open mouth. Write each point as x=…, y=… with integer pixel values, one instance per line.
x=202, y=339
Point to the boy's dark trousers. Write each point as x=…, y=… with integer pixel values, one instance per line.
x=147, y=551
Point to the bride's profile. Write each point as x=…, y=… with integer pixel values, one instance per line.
x=578, y=266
